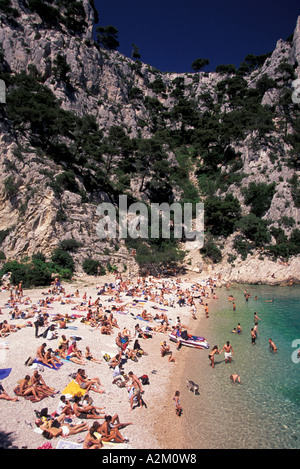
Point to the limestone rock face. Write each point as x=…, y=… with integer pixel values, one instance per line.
x=116, y=91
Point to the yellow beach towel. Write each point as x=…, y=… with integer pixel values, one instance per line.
x=74, y=389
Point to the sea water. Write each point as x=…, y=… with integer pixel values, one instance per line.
x=264, y=410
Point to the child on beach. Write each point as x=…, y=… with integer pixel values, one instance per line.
x=178, y=408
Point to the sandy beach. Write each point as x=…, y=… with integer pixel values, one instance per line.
x=149, y=425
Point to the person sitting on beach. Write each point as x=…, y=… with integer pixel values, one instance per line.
x=42, y=388
x=93, y=439
x=40, y=353
x=146, y=316
x=121, y=341
x=26, y=389
x=164, y=348
x=74, y=352
x=51, y=360
x=64, y=407
x=51, y=334
x=88, y=384
x=85, y=411
x=60, y=352
x=110, y=432
x=64, y=342
x=115, y=361
x=89, y=356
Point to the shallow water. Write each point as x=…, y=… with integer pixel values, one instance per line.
x=263, y=411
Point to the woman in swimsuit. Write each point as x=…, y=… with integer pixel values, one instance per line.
x=212, y=354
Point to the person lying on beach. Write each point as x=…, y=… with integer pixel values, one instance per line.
x=5, y=396
x=85, y=411
x=50, y=431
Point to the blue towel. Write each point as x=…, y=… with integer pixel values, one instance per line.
x=4, y=373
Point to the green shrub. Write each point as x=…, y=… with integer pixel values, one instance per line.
x=63, y=259
x=211, y=250
x=255, y=229
x=259, y=196
x=70, y=245
x=90, y=266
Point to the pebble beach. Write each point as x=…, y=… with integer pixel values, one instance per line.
x=149, y=425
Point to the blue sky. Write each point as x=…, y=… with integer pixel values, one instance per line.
x=172, y=34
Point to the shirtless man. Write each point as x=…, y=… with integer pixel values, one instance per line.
x=40, y=353
x=272, y=346
x=137, y=391
x=228, y=351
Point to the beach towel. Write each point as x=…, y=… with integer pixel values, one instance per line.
x=63, y=444
x=4, y=373
x=58, y=365
x=74, y=389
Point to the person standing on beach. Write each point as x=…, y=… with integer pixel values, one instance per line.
x=178, y=408
x=228, y=352
x=137, y=390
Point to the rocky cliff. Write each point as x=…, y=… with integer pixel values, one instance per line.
x=83, y=124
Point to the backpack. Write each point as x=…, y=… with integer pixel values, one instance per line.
x=144, y=379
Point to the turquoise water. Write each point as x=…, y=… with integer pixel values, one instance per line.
x=263, y=411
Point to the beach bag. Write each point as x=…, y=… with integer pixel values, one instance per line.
x=106, y=357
